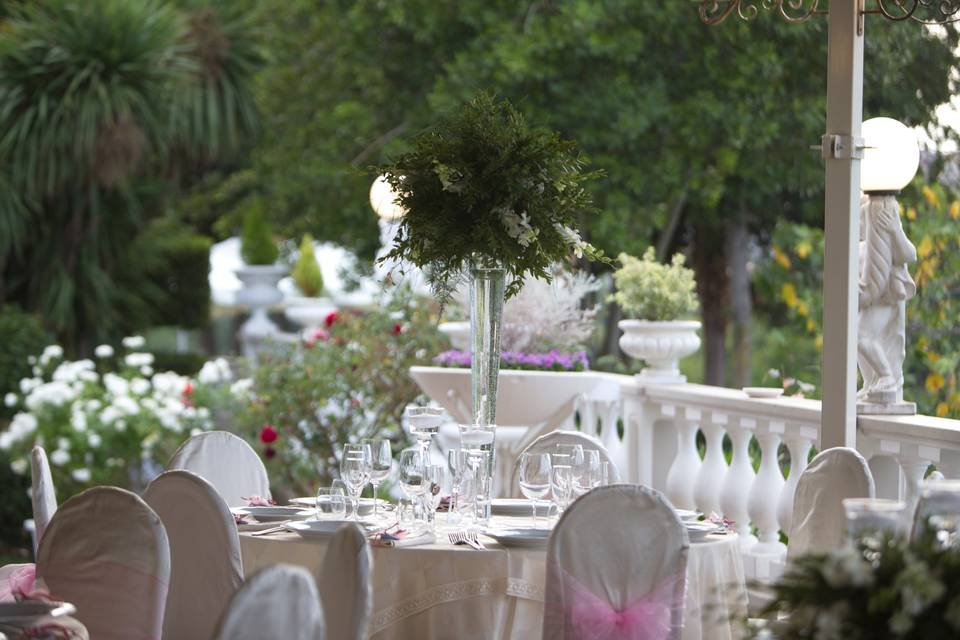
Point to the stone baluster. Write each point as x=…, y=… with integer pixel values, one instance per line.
x=714, y=467
x=609, y=413
x=914, y=467
x=799, y=442
x=765, y=492
x=739, y=479
x=685, y=469
x=588, y=415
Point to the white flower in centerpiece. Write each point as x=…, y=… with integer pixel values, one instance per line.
x=103, y=351
x=215, y=371
x=116, y=386
x=146, y=371
x=139, y=386
x=572, y=238
x=134, y=342
x=60, y=457
x=241, y=387
x=81, y=475
x=518, y=226
x=10, y=399
x=138, y=360
x=110, y=415
x=19, y=466
x=92, y=405
x=29, y=384
x=127, y=405
x=78, y=420
x=54, y=393
x=52, y=352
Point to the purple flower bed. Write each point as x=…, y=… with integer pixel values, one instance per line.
x=553, y=361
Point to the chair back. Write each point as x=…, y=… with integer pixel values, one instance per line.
x=225, y=461
x=616, y=568
x=106, y=552
x=549, y=441
x=280, y=601
x=206, y=568
x=344, y=584
x=819, y=520
x=43, y=494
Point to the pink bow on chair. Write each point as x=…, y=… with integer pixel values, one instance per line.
x=595, y=619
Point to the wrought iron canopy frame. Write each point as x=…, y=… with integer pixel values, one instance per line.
x=922, y=11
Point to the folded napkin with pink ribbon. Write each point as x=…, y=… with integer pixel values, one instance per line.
x=259, y=501
x=726, y=525
x=397, y=537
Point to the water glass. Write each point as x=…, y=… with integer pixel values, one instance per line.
x=535, y=473
x=939, y=510
x=332, y=502
x=433, y=479
x=381, y=460
x=412, y=465
x=587, y=475
x=355, y=472
x=481, y=477
x=561, y=480
x=873, y=517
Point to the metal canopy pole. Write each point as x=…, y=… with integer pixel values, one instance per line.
x=842, y=223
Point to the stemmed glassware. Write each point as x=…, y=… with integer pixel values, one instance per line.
x=561, y=479
x=458, y=463
x=355, y=466
x=535, y=475
x=381, y=460
x=412, y=469
x=588, y=474
x=424, y=423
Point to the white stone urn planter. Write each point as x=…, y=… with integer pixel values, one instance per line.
x=259, y=292
x=660, y=344
x=308, y=313
x=459, y=334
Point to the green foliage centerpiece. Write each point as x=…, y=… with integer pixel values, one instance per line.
x=490, y=197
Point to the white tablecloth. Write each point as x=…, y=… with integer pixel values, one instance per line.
x=440, y=591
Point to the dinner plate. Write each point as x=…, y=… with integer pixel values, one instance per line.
x=520, y=508
x=274, y=514
x=366, y=504
x=686, y=515
x=318, y=528
x=697, y=531
x=519, y=537
x=26, y=612
x=763, y=392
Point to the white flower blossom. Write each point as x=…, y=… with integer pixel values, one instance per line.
x=146, y=371
x=572, y=238
x=110, y=415
x=78, y=420
x=92, y=405
x=60, y=457
x=81, y=475
x=63, y=443
x=139, y=386
x=29, y=384
x=19, y=466
x=241, y=387
x=52, y=352
x=94, y=439
x=126, y=405
x=134, y=342
x=116, y=386
x=54, y=393
x=518, y=226
x=215, y=371
x=32, y=360
x=120, y=426
x=10, y=399
x=103, y=351
x=138, y=360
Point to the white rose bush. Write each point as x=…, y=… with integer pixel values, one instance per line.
x=112, y=420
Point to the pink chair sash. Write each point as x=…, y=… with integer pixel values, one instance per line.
x=16, y=579
x=592, y=618
x=114, y=601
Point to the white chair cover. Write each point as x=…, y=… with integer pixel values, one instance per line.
x=43, y=495
x=225, y=461
x=616, y=568
x=548, y=441
x=818, y=517
x=279, y=602
x=206, y=568
x=344, y=584
x=106, y=552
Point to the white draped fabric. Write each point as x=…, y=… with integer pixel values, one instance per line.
x=444, y=591
x=617, y=551
x=344, y=584
x=206, y=568
x=818, y=515
x=279, y=602
x=43, y=495
x=107, y=552
x=225, y=461
x=548, y=442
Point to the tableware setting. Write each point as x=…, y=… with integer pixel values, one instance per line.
x=698, y=531
x=273, y=513
x=520, y=536
x=522, y=507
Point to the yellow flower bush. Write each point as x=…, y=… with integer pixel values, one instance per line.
x=649, y=290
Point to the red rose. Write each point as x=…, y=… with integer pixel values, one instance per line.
x=269, y=453
x=331, y=318
x=397, y=329
x=268, y=434
x=187, y=389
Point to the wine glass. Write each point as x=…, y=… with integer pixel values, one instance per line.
x=587, y=474
x=412, y=469
x=355, y=472
x=561, y=479
x=332, y=501
x=432, y=488
x=381, y=459
x=535, y=472
x=458, y=461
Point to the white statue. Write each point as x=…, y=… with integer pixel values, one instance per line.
x=885, y=286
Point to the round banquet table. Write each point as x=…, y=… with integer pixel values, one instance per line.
x=444, y=591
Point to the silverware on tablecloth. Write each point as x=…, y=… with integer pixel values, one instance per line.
x=468, y=538
x=266, y=532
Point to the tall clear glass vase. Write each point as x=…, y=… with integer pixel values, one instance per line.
x=487, y=288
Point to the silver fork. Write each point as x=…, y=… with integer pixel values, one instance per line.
x=266, y=532
x=466, y=537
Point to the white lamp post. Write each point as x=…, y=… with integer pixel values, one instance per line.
x=890, y=161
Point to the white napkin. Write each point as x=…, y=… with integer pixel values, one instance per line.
x=410, y=541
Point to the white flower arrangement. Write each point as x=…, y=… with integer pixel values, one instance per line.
x=106, y=426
